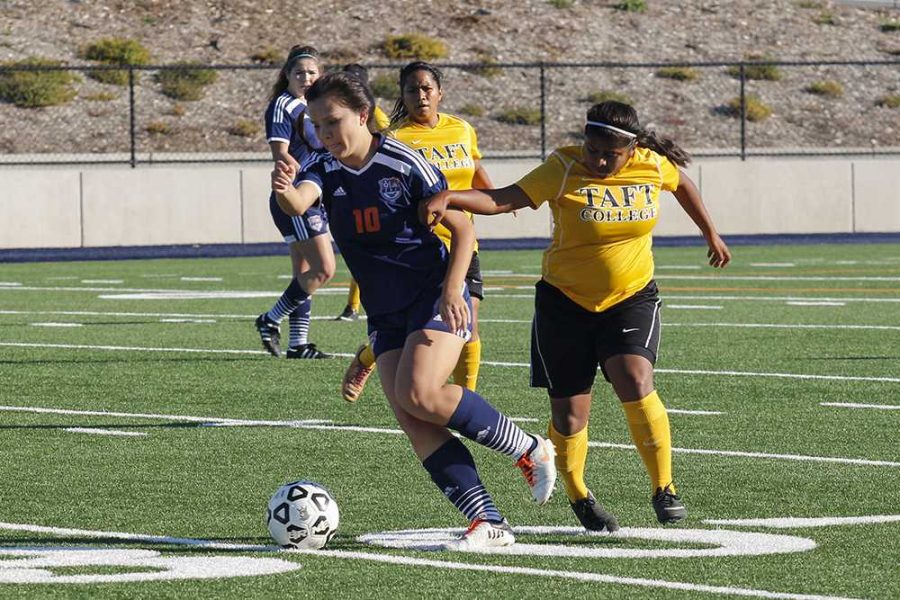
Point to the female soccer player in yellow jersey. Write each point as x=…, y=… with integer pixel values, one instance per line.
x=597, y=302
x=450, y=144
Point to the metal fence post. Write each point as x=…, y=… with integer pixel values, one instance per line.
x=131, y=114
x=543, y=114
x=743, y=117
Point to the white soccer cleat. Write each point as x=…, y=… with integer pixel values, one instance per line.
x=482, y=535
x=539, y=469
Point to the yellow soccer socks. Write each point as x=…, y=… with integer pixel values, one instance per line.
x=571, y=456
x=649, y=426
x=466, y=371
x=353, y=296
x=366, y=356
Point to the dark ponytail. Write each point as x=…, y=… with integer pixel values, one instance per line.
x=623, y=116
x=296, y=53
x=399, y=113
x=346, y=88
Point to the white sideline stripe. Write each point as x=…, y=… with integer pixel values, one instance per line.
x=489, y=363
x=681, y=411
x=787, y=326
x=313, y=424
x=95, y=313
x=735, y=298
x=806, y=303
x=98, y=431
x=684, y=267
x=736, y=453
x=184, y=320
x=855, y=405
x=800, y=523
x=102, y=281
x=55, y=324
x=772, y=264
x=201, y=279
x=421, y=562
x=775, y=278
x=9, y=283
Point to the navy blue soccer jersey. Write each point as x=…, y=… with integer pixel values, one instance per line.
x=281, y=126
x=373, y=215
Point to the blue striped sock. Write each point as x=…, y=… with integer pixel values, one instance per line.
x=290, y=299
x=299, y=320
x=453, y=470
x=477, y=420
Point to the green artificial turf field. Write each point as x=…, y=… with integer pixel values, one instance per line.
x=136, y=401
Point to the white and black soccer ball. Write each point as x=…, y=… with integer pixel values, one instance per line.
x=302, y=514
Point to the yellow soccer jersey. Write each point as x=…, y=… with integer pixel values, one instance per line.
x=451, y=146
x=601, y=248
x=382, y=121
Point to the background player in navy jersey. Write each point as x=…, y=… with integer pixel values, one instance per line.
x=293, y=140
x=413, y=291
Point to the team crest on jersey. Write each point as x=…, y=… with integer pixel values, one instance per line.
x=390, y=188
x=315, y=222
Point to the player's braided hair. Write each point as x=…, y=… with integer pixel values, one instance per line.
x=344, y=87
x=624, y=117
x=296, y=53
x=399, y=113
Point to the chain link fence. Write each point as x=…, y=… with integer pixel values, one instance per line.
x=739, y=109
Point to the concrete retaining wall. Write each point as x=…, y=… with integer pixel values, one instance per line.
x=190, y=204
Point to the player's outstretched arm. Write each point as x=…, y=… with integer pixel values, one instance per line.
x=293, y=201
x=481, y=202
x=688, y=197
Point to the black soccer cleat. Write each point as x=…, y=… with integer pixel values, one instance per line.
x=269, y=334
x=306, y=351
x=348, y=314
x=668, y=506
x=593, y=516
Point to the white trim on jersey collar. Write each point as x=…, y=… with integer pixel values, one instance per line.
x=611, y=128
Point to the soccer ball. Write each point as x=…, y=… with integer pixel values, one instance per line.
x=302, y=514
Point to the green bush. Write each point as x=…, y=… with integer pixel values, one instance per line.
x=888, y=25
x=632, y=5
x=603, y=95
x=829, y=88
x=678, y=73
x=244, y=128
x=561, y=3
x=517, y=115
x=186, y=81
x=384, y=86
x=472, y=110
x=809, y=4
x=115, y=51
x=825, y=18
x=892, y=101
x=486, y=69
x=100, y=97
x=33, y=89
x=761, y=72
x=756, y=110
x=414, y=46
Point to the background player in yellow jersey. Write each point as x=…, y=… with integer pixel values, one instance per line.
x=450, y=144
x=597, y=303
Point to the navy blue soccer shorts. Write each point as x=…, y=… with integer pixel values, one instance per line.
x=389, y=331
x=568, y=342
x=310, y=224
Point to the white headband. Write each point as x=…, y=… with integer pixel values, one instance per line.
x=303, y=55
x=611, y=128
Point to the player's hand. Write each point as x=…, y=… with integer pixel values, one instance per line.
x=454, y=311
x=431, y=210
x=283, y=176
x=719, y=255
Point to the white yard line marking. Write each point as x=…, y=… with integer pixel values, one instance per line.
x=183, y=320
x=681, y=411
x=338, y=427
x=855, y=405
x=767, y=455
x=772, y=264
x=819, y=303
x=201, y=279
x=112, y=432
x=695, y=306
x=9, y=284
x=800, y=523
x=801, y=376
x=680, y=267
x=422, y=562
x=101, y=281
x=718, y=277
x=787, y=326
x=777, y=298
x=55, y=324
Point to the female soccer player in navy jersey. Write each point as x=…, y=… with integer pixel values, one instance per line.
x=292, y=139
x=414, y=293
